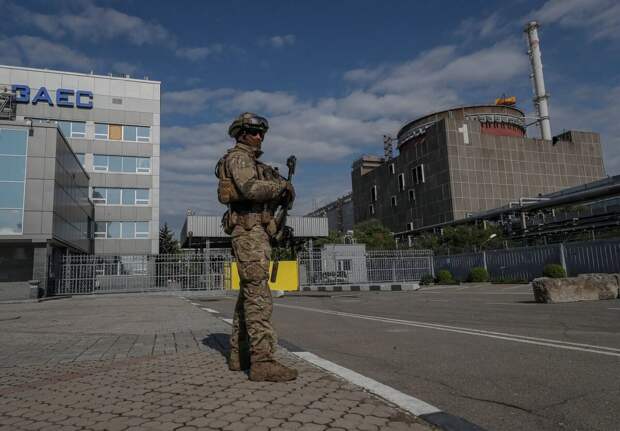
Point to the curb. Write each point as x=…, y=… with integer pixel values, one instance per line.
x=427, y=412
x=365, y=287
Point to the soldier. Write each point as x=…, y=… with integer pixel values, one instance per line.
x=247, y=186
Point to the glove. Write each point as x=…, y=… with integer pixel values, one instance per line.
x=288, y=192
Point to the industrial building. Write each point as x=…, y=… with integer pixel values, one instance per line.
x=112, y=123
x=339, y=214
x=454, y=163
x=45, y=211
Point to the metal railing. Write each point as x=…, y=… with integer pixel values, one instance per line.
x=341, y=267
x=527, y=263
x=87, y=274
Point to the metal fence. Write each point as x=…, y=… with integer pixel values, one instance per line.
x=87, y=274
x=358, y=267
x=527, y=263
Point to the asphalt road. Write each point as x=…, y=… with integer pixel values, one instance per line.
x=486, y=353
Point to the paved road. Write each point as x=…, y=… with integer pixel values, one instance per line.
x=486, y=353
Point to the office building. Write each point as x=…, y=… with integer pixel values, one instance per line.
x=112, y=123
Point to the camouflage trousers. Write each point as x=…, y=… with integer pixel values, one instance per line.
x=252, y=329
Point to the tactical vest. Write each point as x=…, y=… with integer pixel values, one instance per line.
x=227, y=192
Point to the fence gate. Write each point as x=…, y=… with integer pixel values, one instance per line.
x=87, y=274
x=342, y=266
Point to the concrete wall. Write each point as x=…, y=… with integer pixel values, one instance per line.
x=492, y=170
x=116, y=101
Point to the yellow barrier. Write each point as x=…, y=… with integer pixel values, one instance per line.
x=287, y=279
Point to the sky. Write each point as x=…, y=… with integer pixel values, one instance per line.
x=332, y=77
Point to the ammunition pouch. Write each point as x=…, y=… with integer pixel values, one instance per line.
x=229, y=221
x=227, y=192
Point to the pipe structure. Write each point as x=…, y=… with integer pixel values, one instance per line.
x=538, y=81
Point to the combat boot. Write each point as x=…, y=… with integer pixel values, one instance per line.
x=238, y=362
x=271, y=371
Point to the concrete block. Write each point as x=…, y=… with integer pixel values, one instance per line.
x=586, y=287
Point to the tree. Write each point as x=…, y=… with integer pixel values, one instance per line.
x=374, y=235
x=334, y=237
x=167, y=243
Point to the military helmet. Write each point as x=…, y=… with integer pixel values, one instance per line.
x=248, y=121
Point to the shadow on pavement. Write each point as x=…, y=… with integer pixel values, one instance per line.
x=219, y=342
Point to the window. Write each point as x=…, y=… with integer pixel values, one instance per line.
x=13, y=149
x=127, y=164
x=113, y=196
x=101, y=230
x=144, y=134
x=101, y=131
x=142, y=197
x=417, y=174
x=393, y=201
x=142, y=229
x=130, y=133
x=117, y=196
x=373, y=194
x=72, y=129
x=411, y=195
x=100, y=162
x=344, y=265
x=410, y=226
x=143, y=164
x=128, y=230
x=129, y=197
x=371, y=209
x=99, y=196
x=392, y=169
x=124, y=230
x=115, y=132
x=401, y=182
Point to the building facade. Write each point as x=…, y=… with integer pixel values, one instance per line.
x=458, y=162
x=339, y=214
x=113, y=125
x=45, y=211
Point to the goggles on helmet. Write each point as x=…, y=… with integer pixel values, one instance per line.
x=256, y=122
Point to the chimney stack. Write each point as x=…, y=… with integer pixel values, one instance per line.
x=538, y=81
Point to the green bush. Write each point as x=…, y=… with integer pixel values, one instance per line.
x=444, y=277
x=426, y=280
x=553, y=270
x=478, y=274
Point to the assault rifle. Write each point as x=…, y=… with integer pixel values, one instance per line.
x=284, y=234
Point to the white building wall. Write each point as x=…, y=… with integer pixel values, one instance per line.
x=139, y=106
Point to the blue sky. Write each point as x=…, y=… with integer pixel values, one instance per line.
x=332, y=76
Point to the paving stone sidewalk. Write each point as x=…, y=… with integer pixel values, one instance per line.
x=156, y=363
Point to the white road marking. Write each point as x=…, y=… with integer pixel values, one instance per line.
x=229, y=321
x=482, y=293
x=404, y=401
x=193, y=303
x=210, y=310
x=589, y=348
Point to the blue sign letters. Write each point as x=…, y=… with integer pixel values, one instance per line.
x=64, y=96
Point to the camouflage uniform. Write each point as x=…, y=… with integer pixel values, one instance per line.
x=252, y=251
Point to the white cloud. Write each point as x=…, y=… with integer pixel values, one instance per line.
x=280, y=41
x=599, y=18
x=97, y=23
x=193, y=101
x=198, y=53
x=35, y=51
